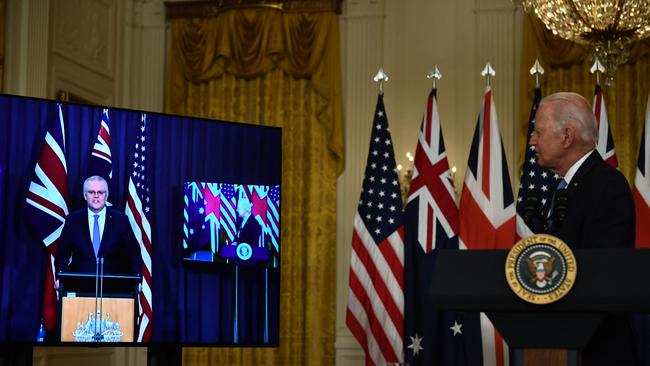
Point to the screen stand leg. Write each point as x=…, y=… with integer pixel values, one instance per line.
x=167, y=355
x=16, y=355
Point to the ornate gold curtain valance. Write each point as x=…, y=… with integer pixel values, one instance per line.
x=208, y=9
x=248, y=39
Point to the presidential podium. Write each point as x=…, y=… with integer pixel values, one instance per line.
x=94, y=310
x=607, y=281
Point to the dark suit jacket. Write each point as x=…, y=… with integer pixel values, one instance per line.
x=600, y=208
x=118, y=247
x=250, y=233
x=601, y=215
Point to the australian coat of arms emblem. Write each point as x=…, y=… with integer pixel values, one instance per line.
x=541, y=269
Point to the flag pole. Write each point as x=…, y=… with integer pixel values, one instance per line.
x=537, y=70
x=380, y=78
x=434, y=75
x=487, y=72
x=597, y=68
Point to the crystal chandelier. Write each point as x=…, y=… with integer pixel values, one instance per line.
x=607, y=26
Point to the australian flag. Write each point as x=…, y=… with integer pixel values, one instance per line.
x=537, y=184
x=195, y=234
x=101, y=162
x=432, y=337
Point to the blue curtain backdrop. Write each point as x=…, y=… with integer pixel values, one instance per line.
x=193, y=305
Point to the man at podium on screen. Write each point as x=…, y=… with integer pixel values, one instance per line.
x=248, y=229
x=592, y=206
x=97, y=231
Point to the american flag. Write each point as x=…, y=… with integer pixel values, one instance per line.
x=375, y=312
x=487, y=210
x=641, y=191
x=431, y=222
x=228, y=218
x=536, y=182
x=138, y=209
x=605, y=144
x=47, y=205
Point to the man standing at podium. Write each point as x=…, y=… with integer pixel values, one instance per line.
x=592, y=206
x=97, y=232
x=248, y=229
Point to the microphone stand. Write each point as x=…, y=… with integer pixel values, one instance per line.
x=99, y=297
x=95, y=336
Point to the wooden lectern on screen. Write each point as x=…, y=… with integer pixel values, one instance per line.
x=94, y=312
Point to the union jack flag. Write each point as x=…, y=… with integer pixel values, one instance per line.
x=375, y=312
x=431, y=222
x=138, y=209
x=605, y=144
x=266, y=209
x=641, y=190
x=212, y=200
x=47, y=205
x=273, y=216
x=487, y=210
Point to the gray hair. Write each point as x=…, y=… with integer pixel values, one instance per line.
x=95, y=178
x=574, y=109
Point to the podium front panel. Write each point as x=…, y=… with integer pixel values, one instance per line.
x=77, y=322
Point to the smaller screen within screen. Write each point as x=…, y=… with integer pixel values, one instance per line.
x=231, y=224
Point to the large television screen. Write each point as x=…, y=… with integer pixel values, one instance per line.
x=128, y=227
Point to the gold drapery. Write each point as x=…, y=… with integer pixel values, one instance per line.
x=567, y=66
x=278, y=69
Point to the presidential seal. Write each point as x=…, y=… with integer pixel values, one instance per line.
x=541, y=269
x=244, y=251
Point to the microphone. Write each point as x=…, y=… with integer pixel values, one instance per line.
x=561, y=205
x=530, y=206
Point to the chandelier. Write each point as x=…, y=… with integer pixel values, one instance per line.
x=607, y=26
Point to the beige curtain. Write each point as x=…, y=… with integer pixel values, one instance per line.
x=281, y=69
x=567, y=67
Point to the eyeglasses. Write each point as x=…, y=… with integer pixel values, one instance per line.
x=98, y=193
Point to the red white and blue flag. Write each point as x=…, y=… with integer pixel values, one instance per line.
x=212, y=214
x=536, y=182
x=641, y=190
x=272, y=229
x=432, y=337
x=228, y=217
x=138, y=209
x=487, y=209
x=101, y=162
x=375, y=311
x=605, y=144
x=47, y=206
